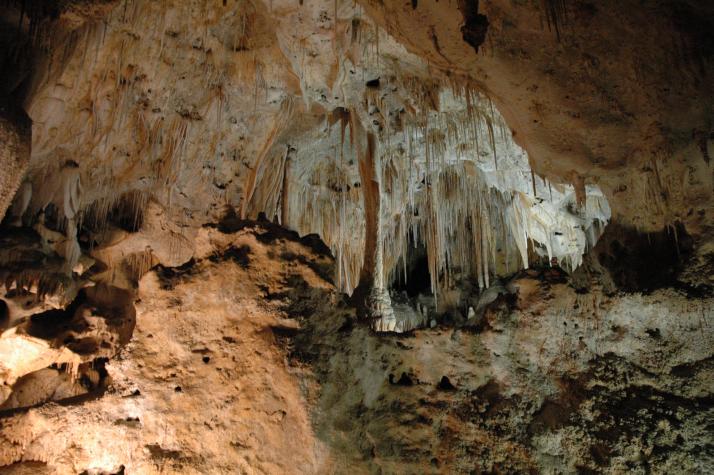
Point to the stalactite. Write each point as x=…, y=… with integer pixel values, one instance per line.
x=555, y=14
x=139, y=263
x=281, y=121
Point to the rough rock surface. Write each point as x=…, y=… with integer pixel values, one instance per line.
x=247, y=360
x=15, y=154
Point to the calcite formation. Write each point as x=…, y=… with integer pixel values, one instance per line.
x=299, y=236
x=366, y=138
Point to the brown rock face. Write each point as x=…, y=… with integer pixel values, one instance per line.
x=15, y=153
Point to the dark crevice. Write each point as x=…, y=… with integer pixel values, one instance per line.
x=644, y=262
x=417, y=280
x=169, y=277
x=475, y=25
x=95, y=389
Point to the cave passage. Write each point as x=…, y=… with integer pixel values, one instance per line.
x=417, y=280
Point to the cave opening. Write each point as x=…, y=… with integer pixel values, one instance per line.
x=644, y=262
x=414, y=278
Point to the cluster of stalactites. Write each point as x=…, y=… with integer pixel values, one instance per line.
x=462, y=223
x=461, y=187
x=434, y=193
x=39, y=283
x=326, y=199
x=556, y=233
x=451, y=179
x=441, y=203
